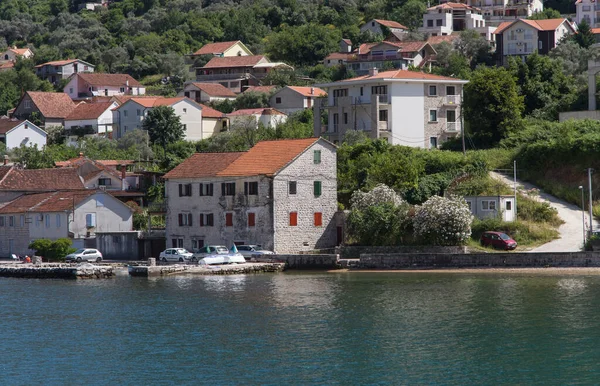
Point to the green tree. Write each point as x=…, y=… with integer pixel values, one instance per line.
x=303, y=45
x=584, y=36
x=52, y=250
x=547, y=13
x=492, y=106
x=410, y=14
x=163, y=126
x=251, y=100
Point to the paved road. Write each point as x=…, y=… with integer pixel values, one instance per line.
x=571, y=232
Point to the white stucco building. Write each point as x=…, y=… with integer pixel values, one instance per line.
x=498, y=11
x=403, y=107
x=88, y=85
x=294, y=98
x=280, y=194
x=375, y=26
x=587, y=10
x=94, y=119
x=16, y=133
x=206, y=92
x=446, y=18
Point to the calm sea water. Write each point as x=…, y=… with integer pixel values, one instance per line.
x=312, y=328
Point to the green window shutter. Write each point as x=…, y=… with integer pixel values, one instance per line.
x=317, y=188
x=317, y=156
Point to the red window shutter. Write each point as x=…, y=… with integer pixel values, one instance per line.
x=318, y=219
x=229, y=219
x=180, y=219
x=293, y=219
x=251, y=219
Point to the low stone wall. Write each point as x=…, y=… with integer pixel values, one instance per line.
x=232, y=269
x=408, y=261
x=58, y=272
x=354, y=252
x=308, y=261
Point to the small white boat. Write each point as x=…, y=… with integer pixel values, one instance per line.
x=229, y=258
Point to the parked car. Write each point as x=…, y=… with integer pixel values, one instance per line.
x=176, y=254
x=253, y=249
x=210, y=250
x=85, y=254
x=497, y=240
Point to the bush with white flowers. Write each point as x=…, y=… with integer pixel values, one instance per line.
x=380, y=194
x=443, y=221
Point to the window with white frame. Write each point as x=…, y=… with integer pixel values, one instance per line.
x=432, y=115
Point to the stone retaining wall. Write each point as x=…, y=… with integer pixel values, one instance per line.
x=354, y=252
x=308, y=261
x=424, y=260
x=233, y=269
x=58, y=272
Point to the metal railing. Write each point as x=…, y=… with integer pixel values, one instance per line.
x=452, y=99
x=383, y=98
x=452, y=127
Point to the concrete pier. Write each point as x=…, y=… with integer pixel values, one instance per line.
x=230, y=269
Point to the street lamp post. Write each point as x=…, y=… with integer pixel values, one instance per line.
x=582, y=213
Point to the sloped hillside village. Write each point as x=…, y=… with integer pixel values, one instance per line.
x=280, y=193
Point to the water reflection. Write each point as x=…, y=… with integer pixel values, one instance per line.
x=311, y=291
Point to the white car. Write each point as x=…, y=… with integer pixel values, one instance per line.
x=251, y=250
x=175, y=254
x=85, y=254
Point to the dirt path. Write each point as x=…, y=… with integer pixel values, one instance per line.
x=571, y=232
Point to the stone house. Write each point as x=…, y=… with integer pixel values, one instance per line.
x=206, y=92
x=52, y=107
x=402, y=107
x=293, y=98
x=375, y=26
x=88, y=85
x=55, y=71
x=66, y=214
x=522, y=38
x=15, y=181
x=281, y=194
x=15, y=133
x=91, y=119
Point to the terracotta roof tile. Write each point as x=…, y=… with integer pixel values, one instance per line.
x=338, y=55
x=8, y=124
x=78, y=161
x=261, y=89
x=39, y=180
x=19, y=51
x=540, y=25
x=215, y=48
x=7, y=65
x=257, y=111
x=155, y=101
x=400, y=74
x=265, y=158
x=309, y=91
x=88, y=111
x=209, y=112
x=433, y=40
x=235, y=61
x=61, y=201
x=214, y=89
x=390, y=23
x=62, y=63
x=98, y=79
x=52, y=104
x=595, y=31
x=203, y=165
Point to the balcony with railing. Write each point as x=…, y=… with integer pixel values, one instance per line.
x=383, y=98
x=384, y=126
x=452, y=100
x=452, y=127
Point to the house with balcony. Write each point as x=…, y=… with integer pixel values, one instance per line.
x=522, y=37
x=224, y=49
x=206, y=92
x=498, y=11
x=55, y=71
x=86, y=86
x=402, y=107
x=61, y=214
x=280, y=194
x=50, y=107
x=291, y=99
x=447, y=18
x=130, y=115
x=90, y=120
x=380, y=27
x=588, y=10
x=237, y=72
x=399, y=55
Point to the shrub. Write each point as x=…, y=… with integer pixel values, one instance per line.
x=52, y=250
x=380, y=194
x=443, y=221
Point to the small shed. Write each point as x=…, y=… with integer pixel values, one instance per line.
x=492, y=206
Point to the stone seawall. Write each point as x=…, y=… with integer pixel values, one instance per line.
x=233, y=269
x=58, y=272
x=355, y=251
x=424, y=260
x=308, y=261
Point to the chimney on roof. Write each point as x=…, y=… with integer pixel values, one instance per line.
x=373, y=71
x=5, y=160
x=312, y=90
x=127, y=82
x=123, y=175
x=81, y=155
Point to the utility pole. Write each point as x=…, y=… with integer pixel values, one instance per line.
x=515, y=185
x=590, y=170
x=462, y=123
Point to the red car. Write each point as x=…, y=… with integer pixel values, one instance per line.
x=497, y=240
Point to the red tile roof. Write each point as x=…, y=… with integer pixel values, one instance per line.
x=338, y=55
x=156, y=101
x=235, y=61
x=19, y=51
x=78, y=161
x=257, y=111
x=59, y=62
x=261, y=89
x=433, y=40
x=215, y=48
x=52, y=104
x=39, y=180
x=400, y=74
x=451, y=6
x=214, y=89
x=595, y=31
x=209, y=112
x=118, y=80
x=88, y=111
x=7, y=65
x=390, y=23
x=309, y=91
x=540, y=25
x=265, y=158
x=203, y=165
x=8, y=124
x=62, y=201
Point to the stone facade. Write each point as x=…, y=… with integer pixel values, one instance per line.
x=441, y=103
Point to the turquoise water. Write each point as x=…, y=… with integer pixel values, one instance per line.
x=311, y=328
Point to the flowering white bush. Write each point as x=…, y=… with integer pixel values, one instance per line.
x=443, y=221
x=380, y=194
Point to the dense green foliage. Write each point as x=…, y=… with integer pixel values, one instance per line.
x=163, y=126
x=52, y=250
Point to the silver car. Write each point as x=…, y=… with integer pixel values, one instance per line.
x=175, y=254
x=85, y=254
